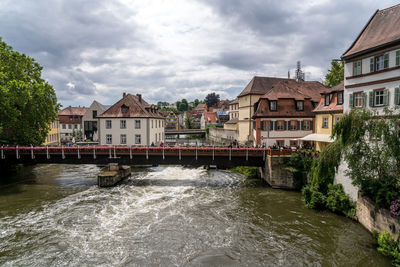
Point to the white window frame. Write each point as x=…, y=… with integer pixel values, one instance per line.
x=108, y=124
x=357, y=68
x=327, y=100
x=138, y=124
x=379, y=98
x=357, y=97
x=341, y=98
x=325, y=122
x=123, y=139
x=109, y=139
x=300, y=105
x=138, y=139
x=123, y=124
x=273, y=105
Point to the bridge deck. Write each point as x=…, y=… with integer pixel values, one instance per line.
x=137, y=155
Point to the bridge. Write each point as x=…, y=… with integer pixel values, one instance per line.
x=138, y=155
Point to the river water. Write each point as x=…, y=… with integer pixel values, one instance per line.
x=55, y=215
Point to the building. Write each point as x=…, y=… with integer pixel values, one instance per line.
x=208, y=118
x=131, y=121
x=89, y=120
x=195, y=116
x=53, y=136
x=284, y=114
x=201, y=107
x=372, y=63
x=327, y=113
x=372, y=73
x=257, y=87
x=71, y=123
x=171, y=120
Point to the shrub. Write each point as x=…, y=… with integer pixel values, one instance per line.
x=245, y=170
x=389, y=247
x=313, y=198
x=337, y=200
x=299, y=164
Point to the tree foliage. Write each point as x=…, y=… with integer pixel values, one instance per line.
x=335, y=74
x=189, y=122
x=28, y=104
x=371, y=145
x=212, y=99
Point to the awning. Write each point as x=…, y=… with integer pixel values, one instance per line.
x=318, y=137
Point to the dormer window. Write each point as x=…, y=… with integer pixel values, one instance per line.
x=124, y=109
x=272, y=105
x=299, y=105
x=327, y=100
x=340, y=98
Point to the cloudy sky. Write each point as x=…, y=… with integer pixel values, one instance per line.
x=173, y=49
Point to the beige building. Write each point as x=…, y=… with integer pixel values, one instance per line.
x=131, y=121
x=53, y=137
x=89, y=120
x=257, y=87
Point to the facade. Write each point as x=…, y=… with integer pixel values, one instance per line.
x=257, y=87
x=131, y=121
x=53, y=137
x=89, y=120
x=328, y=112
x=207, y=119
x=195, y=115
x=71, y=123
x=372, y=63
x=284, y=114
x=171, y=120
x=222, y=136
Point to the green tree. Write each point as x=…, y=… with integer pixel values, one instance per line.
x=212, y=100
x=28, y=104
x=335, y=74
x=189, y=122
x=196, y=102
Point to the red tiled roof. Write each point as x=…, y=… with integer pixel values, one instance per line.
x=78, y=111
x=200, y=107
x=194, y=113
x=136, y=108
x=260, y=85
x=333, y=107
x=210, y=117
x=383, y=28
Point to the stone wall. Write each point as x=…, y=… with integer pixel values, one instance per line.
x=221, y=135
x=376, y=219
x=342, y=178
x=275, y=174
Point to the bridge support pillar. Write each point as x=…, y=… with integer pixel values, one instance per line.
x=275, y=174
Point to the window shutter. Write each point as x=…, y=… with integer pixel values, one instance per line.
x=364, y=100
x=271, y=125
x=371, y=99
x=285, y=125
x=398, y=58
x=276, y=125
x=298, y=125
x=311, y=125
x=397, y=95
x=351, y=100
x=301, y=125
x=385, y=97
x=371, y=65
x=386, y=61
x=262, y=126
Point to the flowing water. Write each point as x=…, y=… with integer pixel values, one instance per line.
x=55, y=215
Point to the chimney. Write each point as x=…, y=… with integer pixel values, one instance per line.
x=123, y=94
x=139, y=97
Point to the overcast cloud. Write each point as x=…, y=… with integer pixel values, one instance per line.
x=168, y=50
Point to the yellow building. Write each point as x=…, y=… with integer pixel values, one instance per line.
x=53, y=137
x=328, y=112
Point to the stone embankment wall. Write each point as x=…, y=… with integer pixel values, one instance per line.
x=376, y=219
x=275, y=174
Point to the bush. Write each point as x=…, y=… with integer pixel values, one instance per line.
x=245, y=170
x=389, y=247
x=299, y=164
x=338, y=201
x=313, y=198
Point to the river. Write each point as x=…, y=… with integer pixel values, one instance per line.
x=55, y=215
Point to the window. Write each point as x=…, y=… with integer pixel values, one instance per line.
x=280, y=143
x=327, y=100
x=64, y=126
x=75, y=126
x=357, y=68
x=293, y=125
x=137, y=124
x=371, y=64
x=306, y=125
x=378, y=98
x=159, y=136
x=272, y=105
x=108, y=138
x=280, y=125
x=156, y=137
x=108, y=124
x=340, y=98
x=398, y=58
x=325, y=122
x=70, y=118
x=123, y=124
x=69, y=126
x=299, y=105
x=137, y=139
x=94, y=114
x=293, y=143
x=337, y=119
x=124, y=109
x=123, y=138
x=381, y=62
x=358, y=100
x=159, y=124
x=152, y=124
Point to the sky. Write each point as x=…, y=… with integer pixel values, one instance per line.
x=167, y=50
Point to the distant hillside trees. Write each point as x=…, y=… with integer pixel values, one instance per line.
x=28, y=104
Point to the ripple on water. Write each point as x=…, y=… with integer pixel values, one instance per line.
x=176, y=216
